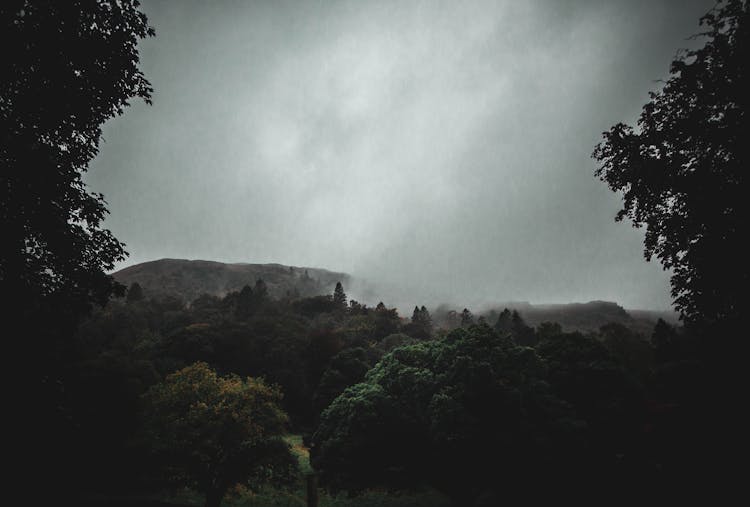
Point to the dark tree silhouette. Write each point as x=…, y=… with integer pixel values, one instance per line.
x=245, y=303
x=467, y=318
x=339, y=297
x=683, y=174
x=420, y=325
x=521, y=332
x=504, y=323
x=69, y=67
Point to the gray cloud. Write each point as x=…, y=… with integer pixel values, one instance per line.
x=439, y=149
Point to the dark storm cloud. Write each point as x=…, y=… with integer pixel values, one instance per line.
x=440, y=149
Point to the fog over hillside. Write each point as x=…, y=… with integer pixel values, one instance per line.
x=188, y=279
x=439, y=151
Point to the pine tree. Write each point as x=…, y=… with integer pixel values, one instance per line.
x=467, y=318
x=504, y=323
x=339, y=297
x=416, y=315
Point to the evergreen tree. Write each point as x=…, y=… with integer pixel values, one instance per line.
x=245, y=303
x=339, y=297
x=467, y=318
x=416, y=315
x=522, y=333
x=504, y=324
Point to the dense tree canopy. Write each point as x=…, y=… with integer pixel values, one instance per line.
x=460, y=413
x=683, y=170
x=213, y=432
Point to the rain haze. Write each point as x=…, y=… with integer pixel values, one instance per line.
x=437, y=151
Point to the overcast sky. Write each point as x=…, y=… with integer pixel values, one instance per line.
x=439, y=147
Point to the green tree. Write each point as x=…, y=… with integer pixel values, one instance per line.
x=683, y=170
x=346, y=368
x=213, y=432
x=459, y=413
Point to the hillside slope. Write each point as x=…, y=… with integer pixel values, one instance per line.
x=188, y=279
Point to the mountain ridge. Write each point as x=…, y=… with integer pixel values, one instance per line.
x=188, y=279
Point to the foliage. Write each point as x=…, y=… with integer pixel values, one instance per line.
x=213, y=432
x=682, y=171
x=585, y=373
x=421, y=326
x=467, y=318
x=346, y=368
x=71, y=66
x=453, y=413
x=67, y=68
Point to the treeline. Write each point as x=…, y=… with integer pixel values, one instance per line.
x=388, y=401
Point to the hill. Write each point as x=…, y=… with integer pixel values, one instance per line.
x=584, y=316
x=188, y=279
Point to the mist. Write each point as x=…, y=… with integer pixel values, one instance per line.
x=436, y=151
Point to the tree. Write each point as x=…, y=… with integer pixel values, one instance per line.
x=584, y=373
x=346, y=368
x=244, y=303
x=463, y=414
x=70, y=66
x=213, y=432
x=683, y=170
x=467, y=318
x=664, y=341
x=521, y=332
x=339, y=297
x=504, y=323
x=421, y=324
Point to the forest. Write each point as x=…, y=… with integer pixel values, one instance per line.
x=125, y=395
x=382, y=402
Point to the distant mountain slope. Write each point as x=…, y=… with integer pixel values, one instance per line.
x=586, y=316
x=188, y=279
